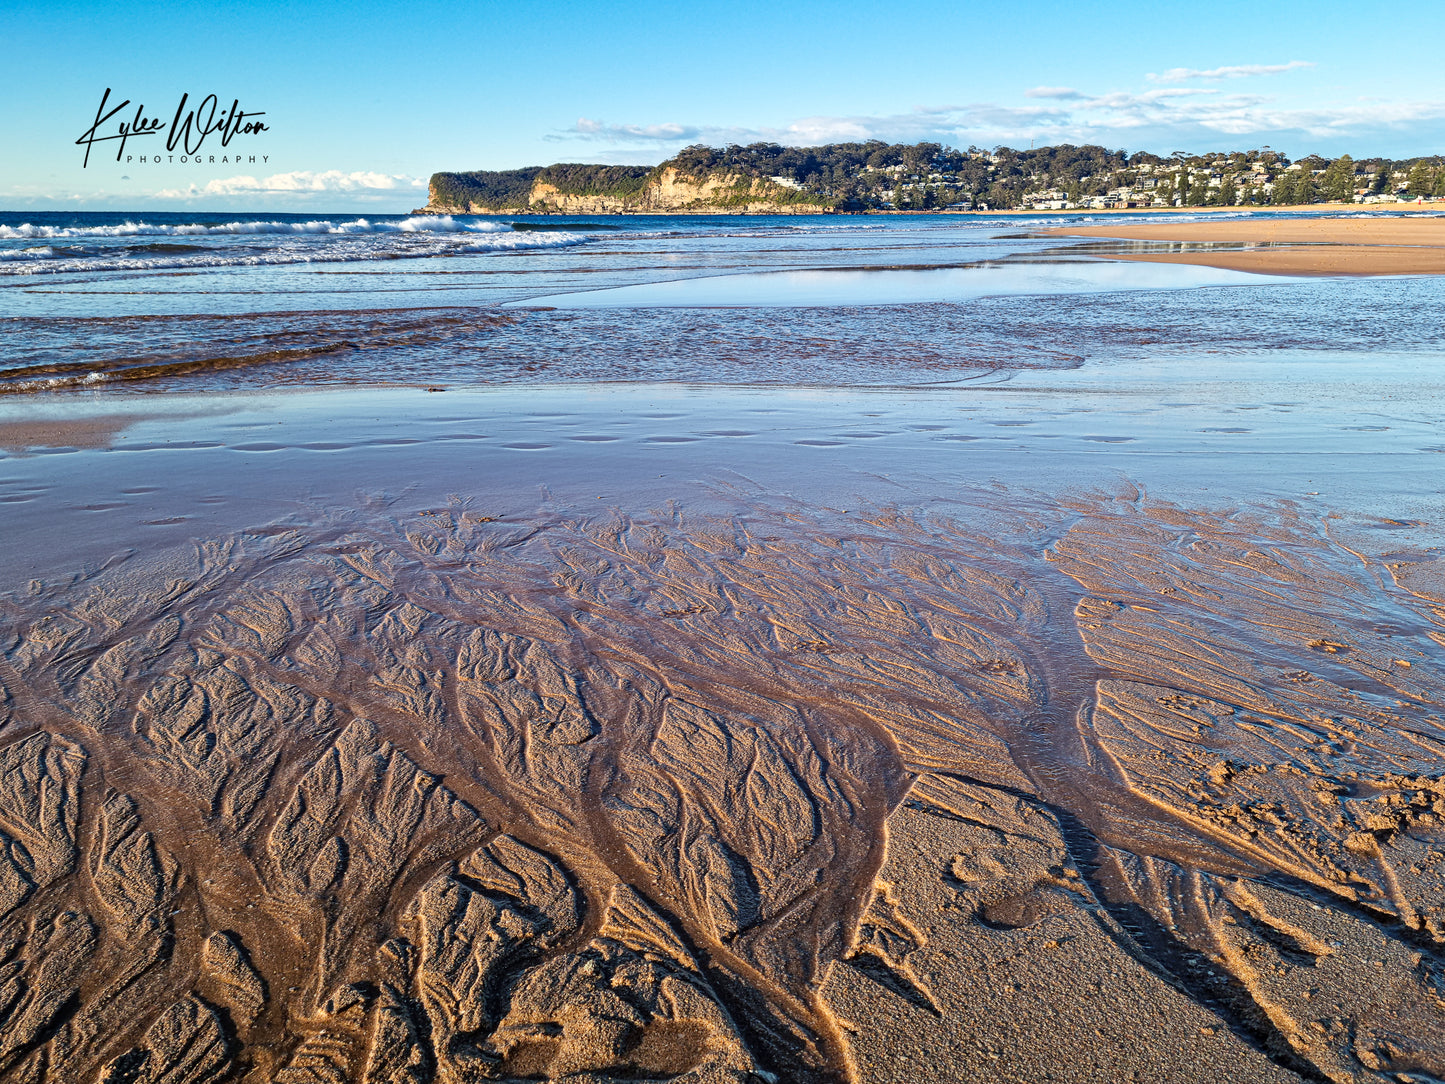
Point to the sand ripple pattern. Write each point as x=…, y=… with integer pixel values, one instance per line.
x=464, y=796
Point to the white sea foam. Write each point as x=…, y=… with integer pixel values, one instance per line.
x=823, y=227
x=37, y=252
x=416, y=224
x=404, y=244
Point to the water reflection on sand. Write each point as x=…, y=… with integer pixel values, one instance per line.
x=893, y=286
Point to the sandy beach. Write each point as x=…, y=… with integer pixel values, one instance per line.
x=1412, y=245
x=541, y=758
x=754, y=677
x=708, y=597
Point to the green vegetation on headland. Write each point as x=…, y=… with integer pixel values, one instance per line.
x=586, y=189
x=930, y=177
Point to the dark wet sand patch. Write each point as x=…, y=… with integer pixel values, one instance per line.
x=94, y=431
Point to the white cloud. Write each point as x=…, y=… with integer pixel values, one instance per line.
x=1160, y=117
x=300, y=183
x=943, y=122
x=1236, y=71
x=1244, y=114
x=625, y=133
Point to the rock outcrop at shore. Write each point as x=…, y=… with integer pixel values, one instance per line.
x=665, y=190
x=461, y=797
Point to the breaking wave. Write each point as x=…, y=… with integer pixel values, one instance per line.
x=258, y=244
x=415, y=224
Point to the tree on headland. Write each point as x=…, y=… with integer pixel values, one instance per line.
x=1181, y=188
x=1282, y=194
x=1421, y=180
x=1338, y=182
x=1307, y=189
x=1196, y=192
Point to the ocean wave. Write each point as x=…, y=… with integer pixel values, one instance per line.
x=52, y=260
x=142, y=348
x=416, y=224
x=825, y=227
x=38, y=252
x=55, y=378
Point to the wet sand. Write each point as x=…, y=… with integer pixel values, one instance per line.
x=1413, y=245
x=99, y=431
x=630, y=768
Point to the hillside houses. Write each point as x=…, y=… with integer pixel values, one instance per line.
x=1247, y=179
x=932, y=177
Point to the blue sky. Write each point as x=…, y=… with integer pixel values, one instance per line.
x=364, y=100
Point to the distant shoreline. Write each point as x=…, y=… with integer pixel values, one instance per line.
x=1310, y=246
x=1429, y=209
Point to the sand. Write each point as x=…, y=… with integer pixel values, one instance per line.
x=1413, y=245
x=719, y=786
x=81, y=432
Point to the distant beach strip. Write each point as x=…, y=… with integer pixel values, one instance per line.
x=1413, y=245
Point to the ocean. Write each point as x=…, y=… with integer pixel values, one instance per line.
x=162, y=301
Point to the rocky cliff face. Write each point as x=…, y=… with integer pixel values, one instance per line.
x=670, y=192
